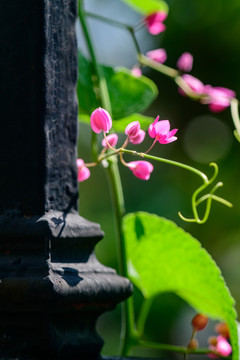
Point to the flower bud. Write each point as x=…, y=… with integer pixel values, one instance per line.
x=141, y=169
x=132, y=129
x=100, y=120
x=185, y=62
x=136, y=71
x=195, y=84
x=218, y=98
x=83, y=171
x=199, y=322
x=212, y=340
x=193, y=344
x=112, y=140
x=222, y=329
x=158, y=55
x=154, y=22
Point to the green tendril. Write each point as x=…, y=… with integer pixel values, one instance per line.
x=235, y=117
x=207, y=197
x=195, y=200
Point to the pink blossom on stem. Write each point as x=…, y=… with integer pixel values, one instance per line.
x=138, y=138
x=136, y=71
x=160, y=130
x=218, y=98
x=132, y=129
x=141, y=169
x=112, y=140
x=158, y=55
x=154, y=22
x=185, y=62
x=195, y=84
x=222, y=347
x=134, y=133
x=83, y=171
x=100, y=120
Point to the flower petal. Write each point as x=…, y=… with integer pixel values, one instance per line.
x=162, y=127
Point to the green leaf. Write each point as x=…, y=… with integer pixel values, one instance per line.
x=120, y=125
x=128, y=94
x=164, y=258
x=84, y=118
x=147, y=6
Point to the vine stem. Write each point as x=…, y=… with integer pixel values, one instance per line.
x=167, y=161
x=129, y=28
x=164, y=69
x=128, y=322
x=155, y=158
x=235, y=114
x=144, y=311
x=107, y=20
x=104, y=95
x=195, y=202
x=174, y=348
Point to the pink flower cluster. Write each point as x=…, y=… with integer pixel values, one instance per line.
x=217, y=98
x=154, y=22
x=221, y=346
x=101, y=121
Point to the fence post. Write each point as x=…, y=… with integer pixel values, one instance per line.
x=52, y=288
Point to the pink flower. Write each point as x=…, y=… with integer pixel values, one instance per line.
x=136, y=71
x=134, y=133
x=222, y=347
x=100, y=120
x=195, y=84
x=83, y=171
x=219, y=98
x=160, y=130
x=185, y=62
x=112, y=140
x=132, y=129
x=158, y=55
x=141, y=169
x=138, y=138
x=154, y=22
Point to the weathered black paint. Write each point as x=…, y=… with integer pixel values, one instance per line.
x=52, y=287
x=60, y=64
x=22, y=105
x=38, y=111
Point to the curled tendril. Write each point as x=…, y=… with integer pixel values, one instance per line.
x=196, y=198
x=207, y=197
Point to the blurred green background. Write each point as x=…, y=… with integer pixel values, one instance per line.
x=210, y=30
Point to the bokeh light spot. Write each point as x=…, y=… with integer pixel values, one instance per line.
x=207, y=139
